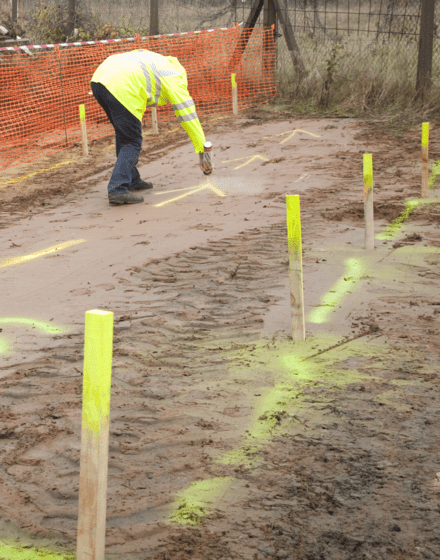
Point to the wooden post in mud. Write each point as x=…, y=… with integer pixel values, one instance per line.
x=234, y=95
x=82, y=119
x=94, y=435
x=368, y=201
x=154, y=119
x=295, y=267
x=425, y=160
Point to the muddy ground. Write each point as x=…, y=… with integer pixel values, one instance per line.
x=326, y=449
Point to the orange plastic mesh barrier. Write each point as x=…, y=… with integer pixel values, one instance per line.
x=41, y=87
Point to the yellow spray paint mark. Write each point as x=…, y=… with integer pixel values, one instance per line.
x=434, y=173
x=190, y=190
x=234, y=83
x=193, y=504
x=18, y=179
x=354, y=271
x=293, y=371
x=16, y=552
x=250, y=158
x=48, y=328
x=292, y=134
x=26, y=258
x=5, y=347
x=98, y=346
x=393, y=229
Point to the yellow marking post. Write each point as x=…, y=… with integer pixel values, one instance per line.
x=292, y=134
x=82, y=118
x=18, y=179
x=425, y=160
x=295, y=267
x=251, y=159
x=368, y=201
x=425, y=134
x=94, y=433
x=234, y=95
x=25, y=258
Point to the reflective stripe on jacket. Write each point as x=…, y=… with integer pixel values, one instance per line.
x=140, y=79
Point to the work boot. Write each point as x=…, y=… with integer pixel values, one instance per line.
x=143, y=185
x=124, y=198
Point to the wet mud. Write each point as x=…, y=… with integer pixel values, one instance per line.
x=326, y=449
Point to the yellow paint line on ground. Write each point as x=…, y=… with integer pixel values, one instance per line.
x=250, y=158
x=25, y=258
x=292, y=133
x=18, y=179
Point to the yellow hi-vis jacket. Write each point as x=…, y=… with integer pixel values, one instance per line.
x=142, y=78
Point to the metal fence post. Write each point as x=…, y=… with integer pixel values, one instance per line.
x=424, y=67
x=71, y=22
x=269, y=19
x=14, y=11
x=154, y=17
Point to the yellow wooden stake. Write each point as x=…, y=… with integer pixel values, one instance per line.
x=94, y=435
x=234, y=95
x=368, y=201
x=154, y=119
x=295, y=267
x=82, y=119
x=425, y=160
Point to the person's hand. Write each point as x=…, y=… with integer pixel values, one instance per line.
x=205, y=162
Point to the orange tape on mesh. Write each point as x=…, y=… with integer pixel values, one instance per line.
x=40, y=94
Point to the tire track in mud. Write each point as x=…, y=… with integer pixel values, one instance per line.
x=171, y=408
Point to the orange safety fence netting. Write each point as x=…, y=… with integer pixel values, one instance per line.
x=41, y=87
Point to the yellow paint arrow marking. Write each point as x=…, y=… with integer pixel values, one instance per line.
x=251, y=159
x=25, y=258
x=190, y=190
x=292, y=134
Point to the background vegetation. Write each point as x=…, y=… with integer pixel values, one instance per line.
x=346, y=74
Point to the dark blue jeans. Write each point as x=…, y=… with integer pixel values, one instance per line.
x=128, y=131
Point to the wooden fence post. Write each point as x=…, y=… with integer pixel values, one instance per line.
x=154, y=119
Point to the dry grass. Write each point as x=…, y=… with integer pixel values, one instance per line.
x=363, y=77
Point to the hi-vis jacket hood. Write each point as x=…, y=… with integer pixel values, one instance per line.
x=142, y=78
